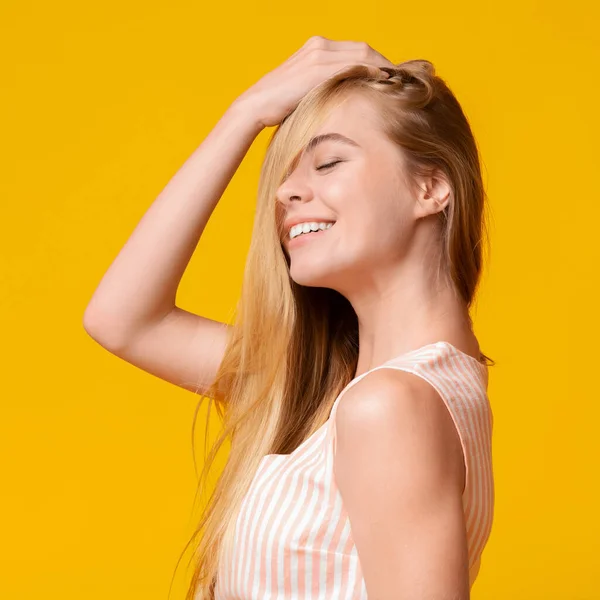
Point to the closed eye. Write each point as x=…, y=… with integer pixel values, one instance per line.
x=328, y=165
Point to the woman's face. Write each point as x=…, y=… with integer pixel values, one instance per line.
x=364, y=192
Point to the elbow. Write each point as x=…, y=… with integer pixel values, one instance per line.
x=102, y=330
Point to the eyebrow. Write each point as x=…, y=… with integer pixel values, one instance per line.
x=325, y=137
x=319, y=139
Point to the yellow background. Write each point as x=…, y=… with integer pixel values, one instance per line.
x=101, y=104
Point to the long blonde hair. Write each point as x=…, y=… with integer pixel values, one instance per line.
x=294, y=348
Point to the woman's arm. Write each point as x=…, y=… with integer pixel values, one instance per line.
x=399, y=467
x=132, y=312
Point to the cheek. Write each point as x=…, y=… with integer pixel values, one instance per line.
x=338, y=191
x=370, y=207
x=383, y=232
x=382, y=216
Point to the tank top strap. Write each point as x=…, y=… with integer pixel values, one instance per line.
x=461, y=382
x=449, y=370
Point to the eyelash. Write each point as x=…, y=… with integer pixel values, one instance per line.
x=325, y=166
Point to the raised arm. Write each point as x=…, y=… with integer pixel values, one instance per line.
x=132, y=312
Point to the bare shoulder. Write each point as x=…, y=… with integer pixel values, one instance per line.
x=388, y=392
x=391, y=413
x=398, y=468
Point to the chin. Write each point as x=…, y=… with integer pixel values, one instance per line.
x=310, y=278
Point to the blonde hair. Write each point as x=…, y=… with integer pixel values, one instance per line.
x=294, y=348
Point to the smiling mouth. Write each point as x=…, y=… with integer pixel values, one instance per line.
x=320, y=229
x=304, y=238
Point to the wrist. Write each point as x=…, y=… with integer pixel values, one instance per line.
x=246, y=108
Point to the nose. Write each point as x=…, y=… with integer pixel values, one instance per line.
x=294, y=188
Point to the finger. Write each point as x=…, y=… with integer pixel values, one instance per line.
x=349, y=57
x=338, y=45
x=380, y=59
x=328, y=44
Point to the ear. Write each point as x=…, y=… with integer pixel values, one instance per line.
x=432, y=195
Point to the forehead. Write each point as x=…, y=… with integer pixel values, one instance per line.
x=352, y=124
x=354, y=118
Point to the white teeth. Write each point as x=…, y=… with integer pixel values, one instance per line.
x=301, y=228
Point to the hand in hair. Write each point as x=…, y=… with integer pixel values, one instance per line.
x=278, y=93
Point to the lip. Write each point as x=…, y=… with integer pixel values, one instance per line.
x=305, y=238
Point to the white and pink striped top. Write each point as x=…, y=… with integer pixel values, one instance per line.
x=293, y=537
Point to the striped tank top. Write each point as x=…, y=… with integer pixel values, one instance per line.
x=293, y=538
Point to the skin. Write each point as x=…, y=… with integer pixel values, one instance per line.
x=381, y=251
x=399, y=469
x=398, y=462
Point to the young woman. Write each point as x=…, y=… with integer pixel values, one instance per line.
x=351, y=382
